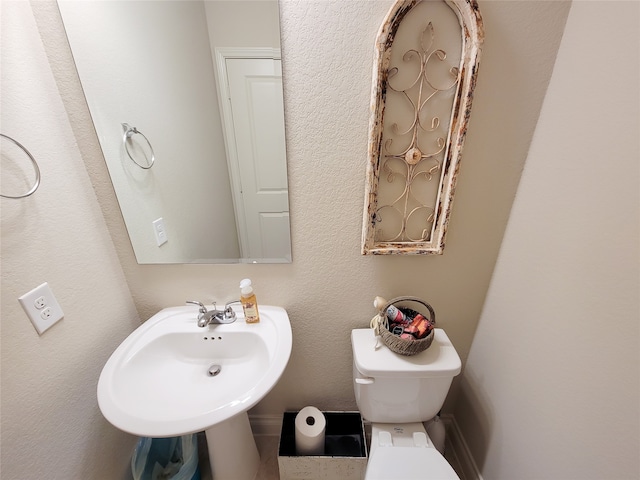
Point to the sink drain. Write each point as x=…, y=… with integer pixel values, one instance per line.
x=214, y=370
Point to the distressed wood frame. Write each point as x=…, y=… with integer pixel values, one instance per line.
x=472, y=37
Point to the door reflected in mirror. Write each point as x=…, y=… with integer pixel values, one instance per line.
x=194, y=89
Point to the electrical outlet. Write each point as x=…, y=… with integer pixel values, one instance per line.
x=160, y=231
x=41, y=307
x=40, y=303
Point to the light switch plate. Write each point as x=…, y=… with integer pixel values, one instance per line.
x=41, y=307
x=160, y=231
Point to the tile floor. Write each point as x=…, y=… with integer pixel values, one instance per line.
x=268, y=448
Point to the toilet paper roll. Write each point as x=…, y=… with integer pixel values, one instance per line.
x=310, y=426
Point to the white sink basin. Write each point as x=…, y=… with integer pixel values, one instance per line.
x=157, y=382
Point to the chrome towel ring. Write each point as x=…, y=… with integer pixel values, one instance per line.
x=35, y=167
x=130, y=131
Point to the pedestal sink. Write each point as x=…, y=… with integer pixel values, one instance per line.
x=171, y=378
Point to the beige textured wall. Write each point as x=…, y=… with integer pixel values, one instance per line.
x=50, y=418
x=328, y=289
x=51, y=425
x=327, y=50
x=551, y=388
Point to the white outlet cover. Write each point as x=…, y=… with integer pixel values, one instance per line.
x=42, y=313
x=160, y=231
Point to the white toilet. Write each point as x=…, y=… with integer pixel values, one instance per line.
x=397, y=393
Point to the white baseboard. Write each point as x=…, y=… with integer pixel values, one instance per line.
x=456, y=445
x=459, y=449
x=266, y=424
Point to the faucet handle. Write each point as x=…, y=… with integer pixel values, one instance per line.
x=226, y=306
x=203, y=309
x=229, y=314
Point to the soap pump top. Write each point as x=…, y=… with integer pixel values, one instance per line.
x=248, y=301
x=246, y=289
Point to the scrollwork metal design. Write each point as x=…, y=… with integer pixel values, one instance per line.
x=417, y=162
x=421, y=99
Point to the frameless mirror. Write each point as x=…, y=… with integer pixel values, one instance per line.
x=186, y=98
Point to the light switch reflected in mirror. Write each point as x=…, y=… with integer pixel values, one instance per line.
x=201, y=84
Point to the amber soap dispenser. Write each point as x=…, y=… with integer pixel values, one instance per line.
x=248, y=301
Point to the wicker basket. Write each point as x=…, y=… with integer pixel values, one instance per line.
x=400, y=345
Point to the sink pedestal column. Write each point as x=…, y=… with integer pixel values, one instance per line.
x=233, y=453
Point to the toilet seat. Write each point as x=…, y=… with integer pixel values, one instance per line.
x=409, y=455
x=409, y=463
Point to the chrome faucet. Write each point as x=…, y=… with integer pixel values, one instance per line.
x=215, y=316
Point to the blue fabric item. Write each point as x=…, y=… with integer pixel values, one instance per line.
x=174, y=458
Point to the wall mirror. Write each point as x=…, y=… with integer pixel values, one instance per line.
x=427, y=57
x=186, y=98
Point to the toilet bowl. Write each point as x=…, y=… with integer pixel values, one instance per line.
x=396, y=394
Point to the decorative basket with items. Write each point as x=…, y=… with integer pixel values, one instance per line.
x=403, y=330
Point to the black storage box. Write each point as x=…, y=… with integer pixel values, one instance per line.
x=345, y=452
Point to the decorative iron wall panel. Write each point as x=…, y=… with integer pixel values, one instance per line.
x=427, y=57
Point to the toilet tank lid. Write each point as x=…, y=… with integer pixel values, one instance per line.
x=439, y=360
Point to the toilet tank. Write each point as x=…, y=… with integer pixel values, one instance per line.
x=392, y=388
